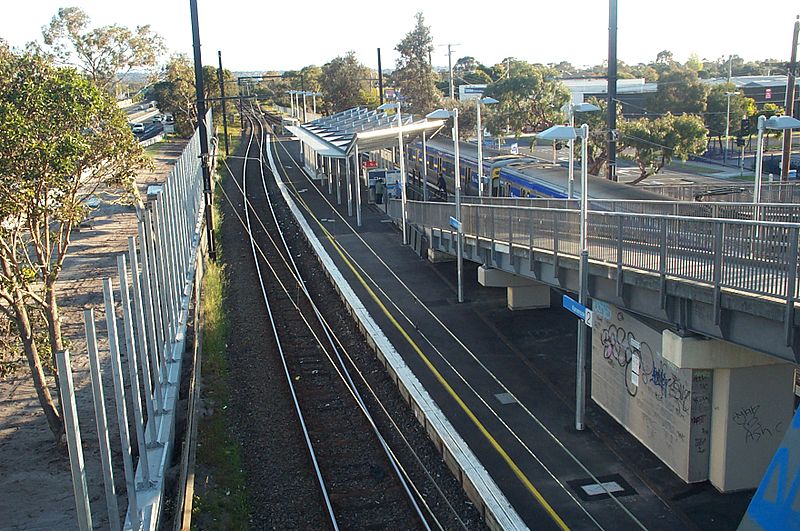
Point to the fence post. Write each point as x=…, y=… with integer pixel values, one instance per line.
x=73, y=434
x=662, y=264
x=119, y=400
x=149, y=308
x=101, y=420
x=154, y=293
x=620, y=241
x=141, y=338
x=791, y=286
x=719, y=233
x=133, y=368
x=165, y=280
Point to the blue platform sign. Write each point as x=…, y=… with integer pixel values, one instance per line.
x=455, y=223
x=575, y=307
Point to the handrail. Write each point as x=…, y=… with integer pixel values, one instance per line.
x=612, y=213
x=754, y=257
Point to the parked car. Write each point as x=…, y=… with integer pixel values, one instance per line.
x=158, y=118
x=137, y=127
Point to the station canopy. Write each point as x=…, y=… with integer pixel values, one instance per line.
x=338, y=135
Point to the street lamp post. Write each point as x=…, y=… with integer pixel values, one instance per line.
x=487, y=101
x=396, y=106
x=569, y=110
x=291, y=99
x=727, y=127
x=444, y=114
x=562, y=132
x=775, y=123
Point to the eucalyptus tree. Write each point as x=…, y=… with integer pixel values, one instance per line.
x=346, y=83
x=529, y=99
x=656, y=142
x=62, y=139
x=413, y=75
x=105, y=54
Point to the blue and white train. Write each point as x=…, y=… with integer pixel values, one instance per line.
x=511, y=175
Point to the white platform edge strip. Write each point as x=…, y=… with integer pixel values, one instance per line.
x=499, y=512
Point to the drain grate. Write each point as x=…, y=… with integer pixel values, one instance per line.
x=589, y=489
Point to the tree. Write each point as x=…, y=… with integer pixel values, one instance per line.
x=679, y=91
x=657, y=142
x=346, y=83
x=176, y=93
x=530, y=99
x=597, y=146
x=61, y=138
x=104, y=54
x=717, y=114
x=413, y=74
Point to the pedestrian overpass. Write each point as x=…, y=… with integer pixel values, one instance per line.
x=695, y=337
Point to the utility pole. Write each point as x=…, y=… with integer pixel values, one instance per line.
x=380, y=77
x=201, y=125
x=612, y=90
x=786, y=156
x=728, y=95
x=450, y=69
x=224, y=106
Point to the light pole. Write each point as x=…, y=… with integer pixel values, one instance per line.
x=304, y=93
x=396, y=106
x=569, y=110
x=487, y=101
x=562, y=132
x=776, y=123
x=291, y=99
x=727, y=126
x=440, y=114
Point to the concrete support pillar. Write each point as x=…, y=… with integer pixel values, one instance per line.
x=752, y=406
x=436, y=257
x=521, y=293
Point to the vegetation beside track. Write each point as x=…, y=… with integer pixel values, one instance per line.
x=220, y=499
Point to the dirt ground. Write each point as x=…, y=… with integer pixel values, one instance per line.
x=35, y=483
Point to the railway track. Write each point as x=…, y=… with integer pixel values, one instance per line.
x=359, y=483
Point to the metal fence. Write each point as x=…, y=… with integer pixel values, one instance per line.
x=771, y=192
x=778, y=212
x=754, y=258
x=156, y=280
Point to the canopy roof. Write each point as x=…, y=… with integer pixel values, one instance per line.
x=338, y=135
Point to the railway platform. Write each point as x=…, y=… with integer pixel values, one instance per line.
x=504, y=380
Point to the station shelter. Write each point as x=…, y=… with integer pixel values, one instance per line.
x=352, y=142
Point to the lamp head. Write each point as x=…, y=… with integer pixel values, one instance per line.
x=488, y=100
x=558, y=132
x=585, y=107
x=438, y=114
x=782, y=122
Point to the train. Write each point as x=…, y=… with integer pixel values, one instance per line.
x=508, y=175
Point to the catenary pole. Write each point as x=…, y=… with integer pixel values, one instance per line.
x=786, y=155
x=201, y=125
x=224, y=106
x=612, y=90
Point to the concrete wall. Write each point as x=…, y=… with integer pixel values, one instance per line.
x=668, y=409
x=753, y=409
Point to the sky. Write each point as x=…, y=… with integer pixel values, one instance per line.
x=264, y=35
